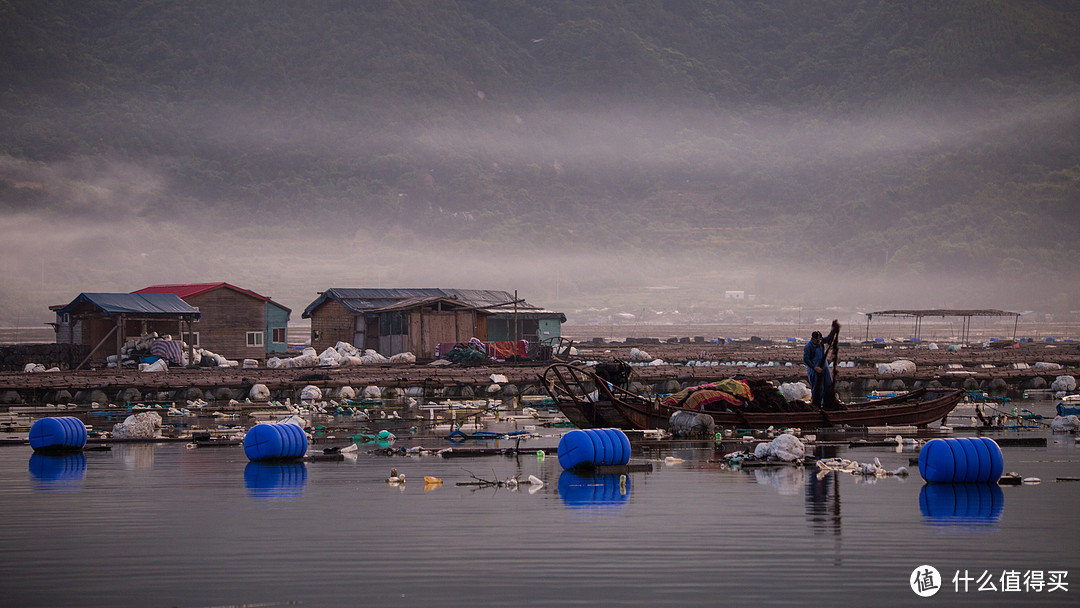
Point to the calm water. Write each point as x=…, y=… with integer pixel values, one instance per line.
x=162, y=525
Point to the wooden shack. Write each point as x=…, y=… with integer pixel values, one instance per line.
x=393, y=321
x=235, y=323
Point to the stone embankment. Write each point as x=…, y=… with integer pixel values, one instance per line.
x=1000, y=369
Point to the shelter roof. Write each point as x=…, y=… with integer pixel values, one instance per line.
x=415, y=302
x=943, y=312
x=359, y=301
x=163, y=305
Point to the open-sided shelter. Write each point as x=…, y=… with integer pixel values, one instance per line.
x=106, y=320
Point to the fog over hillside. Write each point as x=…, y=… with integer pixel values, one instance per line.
x=929, y=194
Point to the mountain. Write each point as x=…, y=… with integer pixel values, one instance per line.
x=865, y=140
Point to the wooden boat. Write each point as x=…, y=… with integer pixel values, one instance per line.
x=590, y=402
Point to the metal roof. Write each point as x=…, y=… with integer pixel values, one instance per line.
x=145, y=305
x=187, y=290
x=359, y=301
x=414, y=302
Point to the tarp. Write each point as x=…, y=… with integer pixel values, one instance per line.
x=712, y=396
x=493, y=350
x=146, y=305
x=170, y=350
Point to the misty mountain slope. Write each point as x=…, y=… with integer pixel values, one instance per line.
x=875, y=138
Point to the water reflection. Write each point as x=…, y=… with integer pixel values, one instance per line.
x=823, y=503
x=53, y=473
x=134, y=456
x=788, y=481
x=961, y=505
x=266, y=481
x=593, y=491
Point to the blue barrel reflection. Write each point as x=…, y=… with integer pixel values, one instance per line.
x=580, y=490
x=58, y=472
x=273, y=481
x=962, y=503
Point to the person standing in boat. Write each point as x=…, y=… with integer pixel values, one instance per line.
x=816, y=357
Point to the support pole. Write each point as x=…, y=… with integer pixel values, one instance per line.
x=119, y=341
x=191, y=341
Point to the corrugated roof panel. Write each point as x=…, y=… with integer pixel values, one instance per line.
x=367, y=299
x=150, y=304
x=186, y=290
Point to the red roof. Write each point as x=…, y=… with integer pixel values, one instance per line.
x=194, y=289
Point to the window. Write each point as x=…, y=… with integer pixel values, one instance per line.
x=254, y=338
x=394, y=324
x=192, y=339
x=278, y=335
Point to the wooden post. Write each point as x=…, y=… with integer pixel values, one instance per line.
x=190, y=341
x=119, y=340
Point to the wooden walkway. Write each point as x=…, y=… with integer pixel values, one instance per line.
x=1014, y=365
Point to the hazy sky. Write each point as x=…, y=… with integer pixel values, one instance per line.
x=108, y=236
x=112, y=221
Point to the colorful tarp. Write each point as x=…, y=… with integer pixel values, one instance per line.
x=170, y=350
x=713, y=396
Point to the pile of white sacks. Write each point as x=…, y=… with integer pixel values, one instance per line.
x=644, y=358
x=1063, y=385
x=145, y=425
x=135, y=347
x=785, y=447
x=898, y=367
x=794, y=391
x=342, y=354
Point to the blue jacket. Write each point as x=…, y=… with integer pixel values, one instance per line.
x=813, y=356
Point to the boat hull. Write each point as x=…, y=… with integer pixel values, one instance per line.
x=611, y=407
